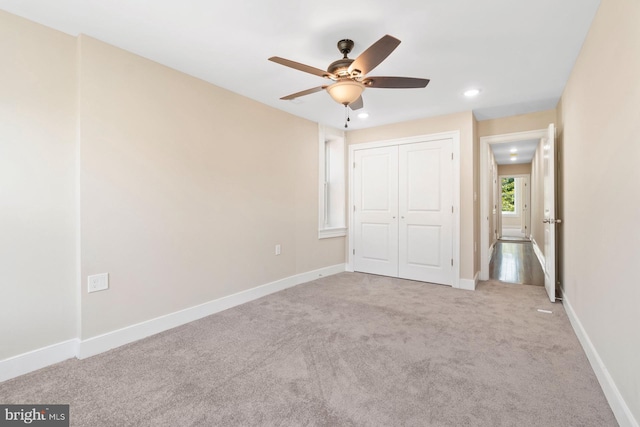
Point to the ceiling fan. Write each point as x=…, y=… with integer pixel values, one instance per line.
x=349, y=76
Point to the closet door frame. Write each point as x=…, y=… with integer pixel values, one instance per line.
x=455, y=138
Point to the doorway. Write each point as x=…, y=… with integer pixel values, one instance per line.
x=490, y=186
x=514, y=203
x=404, y=210
x=542, y=207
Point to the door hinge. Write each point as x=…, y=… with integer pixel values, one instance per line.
x=354, y=208
x=451, y=209
x=451, y=156
x=354, y=251
x=354, y=165
x=451, y=262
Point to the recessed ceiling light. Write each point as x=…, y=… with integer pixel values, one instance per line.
x=513, y=159
x=471, y=93
x=363, y=115
x=514, y=150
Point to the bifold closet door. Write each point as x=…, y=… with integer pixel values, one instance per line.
x=426, y=212
x=376, y=211
x=403, y=211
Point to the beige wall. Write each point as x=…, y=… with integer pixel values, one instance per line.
x=37, y=194
x=464, y=123
x=182, y=200
x=519, y=169
x=519, y=123
x=600, y=128
x=184, y=189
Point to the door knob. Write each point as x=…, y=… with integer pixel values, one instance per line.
x=558, y=221
x=546, y=221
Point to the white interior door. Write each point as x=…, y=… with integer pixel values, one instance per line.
x=550, y=220
x=425, y=202
x=376, y=210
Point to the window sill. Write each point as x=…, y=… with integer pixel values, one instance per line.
x=328, y=233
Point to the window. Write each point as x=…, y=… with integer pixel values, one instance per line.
x=331, y=212
x=513, y=193
x=508, y=195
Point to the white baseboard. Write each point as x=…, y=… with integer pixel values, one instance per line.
x=104, y=342
x=469, y=284
x=43, y=357
x=37, y=359
x=619, y=407
x=538, y=253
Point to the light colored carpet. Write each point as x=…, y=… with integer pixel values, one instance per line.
x=350, y=349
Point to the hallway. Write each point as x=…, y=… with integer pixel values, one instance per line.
x=516, y=262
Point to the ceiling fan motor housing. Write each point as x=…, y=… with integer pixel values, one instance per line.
x=340, y=67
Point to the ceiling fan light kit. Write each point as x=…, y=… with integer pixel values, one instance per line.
x=349, y=75
x=346, y=91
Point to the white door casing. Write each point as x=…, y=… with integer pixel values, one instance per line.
x=376, y=210
x=454, y=137
x=426, y=212
x=550, y=220
x=403, y=211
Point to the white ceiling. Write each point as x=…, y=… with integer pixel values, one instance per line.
x=519, y=53
x=524, y=151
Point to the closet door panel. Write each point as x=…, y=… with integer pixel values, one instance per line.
x=425, y=199
x=376, y=211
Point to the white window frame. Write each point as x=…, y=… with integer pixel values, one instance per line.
x=331, y=184
x=517, y=188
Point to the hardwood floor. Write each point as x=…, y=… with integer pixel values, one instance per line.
x=516, y=262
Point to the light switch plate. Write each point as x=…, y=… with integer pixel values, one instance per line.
x=98, y=282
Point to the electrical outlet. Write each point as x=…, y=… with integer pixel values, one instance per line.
x=98, y=282
x=278, y=250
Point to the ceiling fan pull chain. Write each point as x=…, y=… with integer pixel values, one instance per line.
x=347, y=118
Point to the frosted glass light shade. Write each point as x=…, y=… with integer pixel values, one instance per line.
x=345, y=91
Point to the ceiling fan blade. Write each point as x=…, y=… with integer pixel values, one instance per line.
x=303, y=93
x=374, y=55
x=302, y=67
x=357, y=104
x=395, y=82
